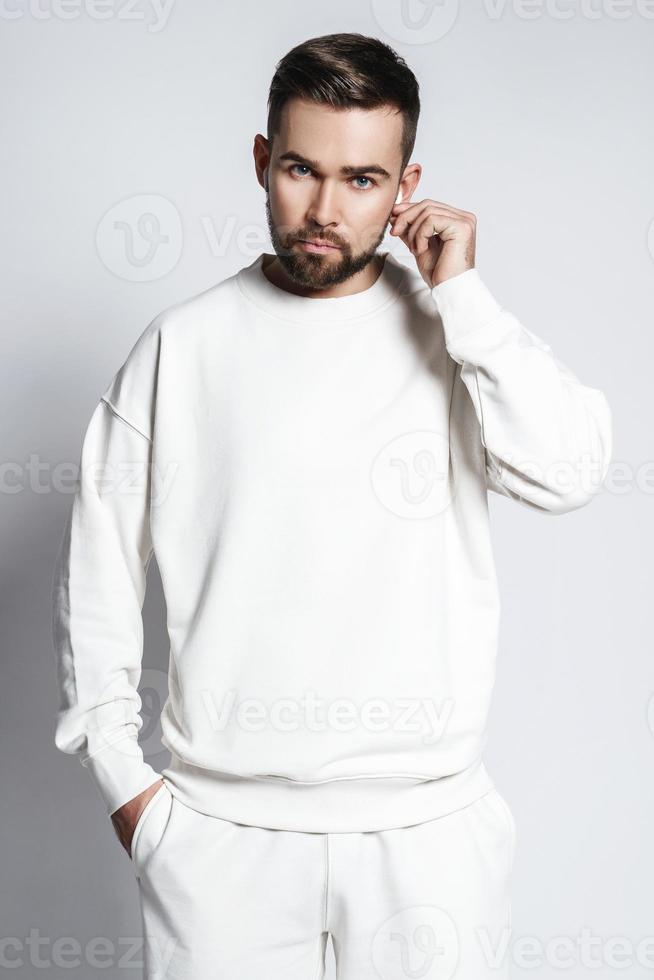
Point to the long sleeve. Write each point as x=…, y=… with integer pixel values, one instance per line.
x=98, y=590
x=547, y=437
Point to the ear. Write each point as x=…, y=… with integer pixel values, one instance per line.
x=261, y=154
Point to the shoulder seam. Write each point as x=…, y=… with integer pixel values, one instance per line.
x=115, y=412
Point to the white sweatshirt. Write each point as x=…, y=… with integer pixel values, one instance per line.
x=311, y=475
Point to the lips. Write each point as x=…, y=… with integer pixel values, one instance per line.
x=317, y=243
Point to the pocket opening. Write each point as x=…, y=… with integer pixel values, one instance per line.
x=145, y=813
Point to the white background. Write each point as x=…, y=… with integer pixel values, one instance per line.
x=537, y=117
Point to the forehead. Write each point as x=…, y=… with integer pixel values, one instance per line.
x=341, y=137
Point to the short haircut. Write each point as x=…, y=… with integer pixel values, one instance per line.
x=346, y=71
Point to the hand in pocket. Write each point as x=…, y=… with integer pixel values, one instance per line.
x=128, y=816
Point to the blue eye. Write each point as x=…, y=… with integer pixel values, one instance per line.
x=303, y=166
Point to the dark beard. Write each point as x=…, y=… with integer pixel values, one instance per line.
x=309, y=270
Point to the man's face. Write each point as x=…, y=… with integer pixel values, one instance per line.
x=310, y=197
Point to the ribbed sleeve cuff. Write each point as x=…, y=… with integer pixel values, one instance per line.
x=120, y=772
x=464, y=303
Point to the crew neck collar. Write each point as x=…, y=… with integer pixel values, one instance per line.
x=279, y=303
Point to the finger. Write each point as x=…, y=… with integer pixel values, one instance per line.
x=444, y=215
x=400, y=222
x=428, y=218
x=431, y=222
x=428, y=228
x=403, y=205
x=404, y=238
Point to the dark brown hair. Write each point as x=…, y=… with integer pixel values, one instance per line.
x=346, y=71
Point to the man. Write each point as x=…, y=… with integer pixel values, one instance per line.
x=307, y=447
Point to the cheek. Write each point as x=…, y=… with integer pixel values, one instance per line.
x=288, y=207
x=367, y=218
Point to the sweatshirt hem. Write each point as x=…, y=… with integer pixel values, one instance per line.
x=348, y=805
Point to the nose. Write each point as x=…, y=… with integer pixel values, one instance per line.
x=323, y=209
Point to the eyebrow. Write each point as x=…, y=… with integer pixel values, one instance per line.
x=372, y=168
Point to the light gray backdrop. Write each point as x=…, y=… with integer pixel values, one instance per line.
x=537, y=117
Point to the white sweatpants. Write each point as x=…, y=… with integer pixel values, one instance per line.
x=229, y=901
